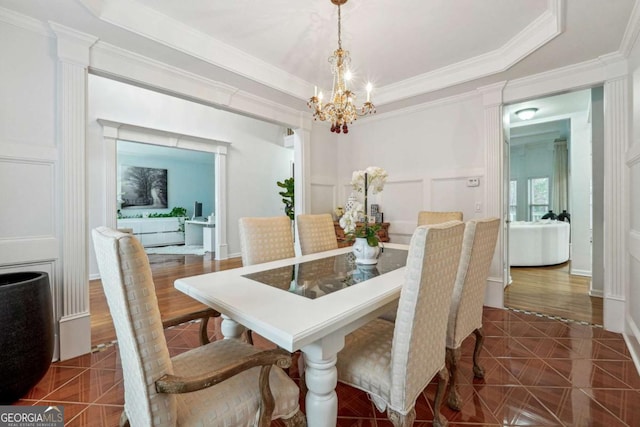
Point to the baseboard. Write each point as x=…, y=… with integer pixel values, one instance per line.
x=632, y=338
x=494, y=293
x=614, y=314
x=94, y=276
x=596, y=293
x=585, y=273
x=75, y=336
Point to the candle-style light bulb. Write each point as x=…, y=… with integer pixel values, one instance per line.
x=320, y=96
x=315, y=91
x=369, y=87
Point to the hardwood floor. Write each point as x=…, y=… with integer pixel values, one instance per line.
x=548, y=290
x=165, y=269
x=552, y=290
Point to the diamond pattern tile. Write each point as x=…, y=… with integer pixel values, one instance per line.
x=539, y=371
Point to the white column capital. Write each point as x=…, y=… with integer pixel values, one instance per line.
x=73, y=46
x=492, y=94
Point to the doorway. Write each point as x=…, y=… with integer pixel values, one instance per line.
x=553, y=263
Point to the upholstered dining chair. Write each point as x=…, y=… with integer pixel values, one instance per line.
x=465, y=315
x=393, y=363
x=435, y=217
x=202, y=315
x=264, y=239
x=316, y=233
x=226, y=382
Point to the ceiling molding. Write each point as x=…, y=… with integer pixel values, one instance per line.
x=631, y=31
x=23, y=21
x=146, y=22
x=114, y=62
x=141, y=20
x=545, y=28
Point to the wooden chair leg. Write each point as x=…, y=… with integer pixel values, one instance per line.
x=204, y=336
x=453, y=358
x=400, y=420
x=478, y=371
x=443, y=379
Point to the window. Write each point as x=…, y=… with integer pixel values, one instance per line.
x=538, y=197
x=513, y=199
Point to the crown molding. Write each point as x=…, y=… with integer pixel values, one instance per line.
x=631, y=31
x=462, y=97
x=146, y=22
x=545, y=28
x=23, y=21
x=115, y=62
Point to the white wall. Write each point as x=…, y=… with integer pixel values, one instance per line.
x=255, y=161
x=632, y=321
x=580, y=194
x=428, y=153
x=325, y=149
x=30, y=185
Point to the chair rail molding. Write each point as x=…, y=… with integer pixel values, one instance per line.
x=73, y=51
x=112, y=131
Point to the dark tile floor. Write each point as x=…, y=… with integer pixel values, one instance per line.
x=539, y=372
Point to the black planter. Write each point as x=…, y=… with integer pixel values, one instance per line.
x=26, y=333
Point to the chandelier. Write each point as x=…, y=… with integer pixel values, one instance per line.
x=340, y=110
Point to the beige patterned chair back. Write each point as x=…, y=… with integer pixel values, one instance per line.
x=317, y=233
x=478, y=246
x=265, y=239
x=433, y=217
x=130, y=292
x=418, y=349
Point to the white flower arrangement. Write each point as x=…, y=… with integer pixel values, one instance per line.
x=349, y=219
x=376, y=178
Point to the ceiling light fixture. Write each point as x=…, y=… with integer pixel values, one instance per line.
x=526, y=113
x=340, y=109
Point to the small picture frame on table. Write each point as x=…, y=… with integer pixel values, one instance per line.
x=379, y=217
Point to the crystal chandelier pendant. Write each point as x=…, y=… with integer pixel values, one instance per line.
x=340, y=110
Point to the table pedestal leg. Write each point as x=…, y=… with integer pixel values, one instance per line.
x=230, y=328
x=321, y=378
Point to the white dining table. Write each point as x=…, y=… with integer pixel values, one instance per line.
x=286, y=315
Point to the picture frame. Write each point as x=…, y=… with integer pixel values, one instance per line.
x=143, y=187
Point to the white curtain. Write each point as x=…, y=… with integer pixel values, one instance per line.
x=560, y=192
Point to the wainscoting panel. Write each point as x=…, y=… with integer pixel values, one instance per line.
x=453, y=194
x=29, y=204
x=323, y=198
x=400, y=202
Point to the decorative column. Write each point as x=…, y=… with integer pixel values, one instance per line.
x=616, y=195
x=495, y=173
x=302, y=175
x=222, y=248
x=73, y=60
x=110, y=139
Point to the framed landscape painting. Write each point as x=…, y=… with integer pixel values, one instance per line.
x=143, y=188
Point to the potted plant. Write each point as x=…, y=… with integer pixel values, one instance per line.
x=288, y=197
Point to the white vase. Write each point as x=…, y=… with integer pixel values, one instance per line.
x=364, y=253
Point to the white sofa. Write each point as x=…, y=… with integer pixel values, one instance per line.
x=544, y=242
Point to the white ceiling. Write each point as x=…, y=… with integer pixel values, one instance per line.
x=409, y=49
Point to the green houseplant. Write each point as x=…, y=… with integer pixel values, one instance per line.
x=288, y=196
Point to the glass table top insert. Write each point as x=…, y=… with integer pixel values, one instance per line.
x=314, y=279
